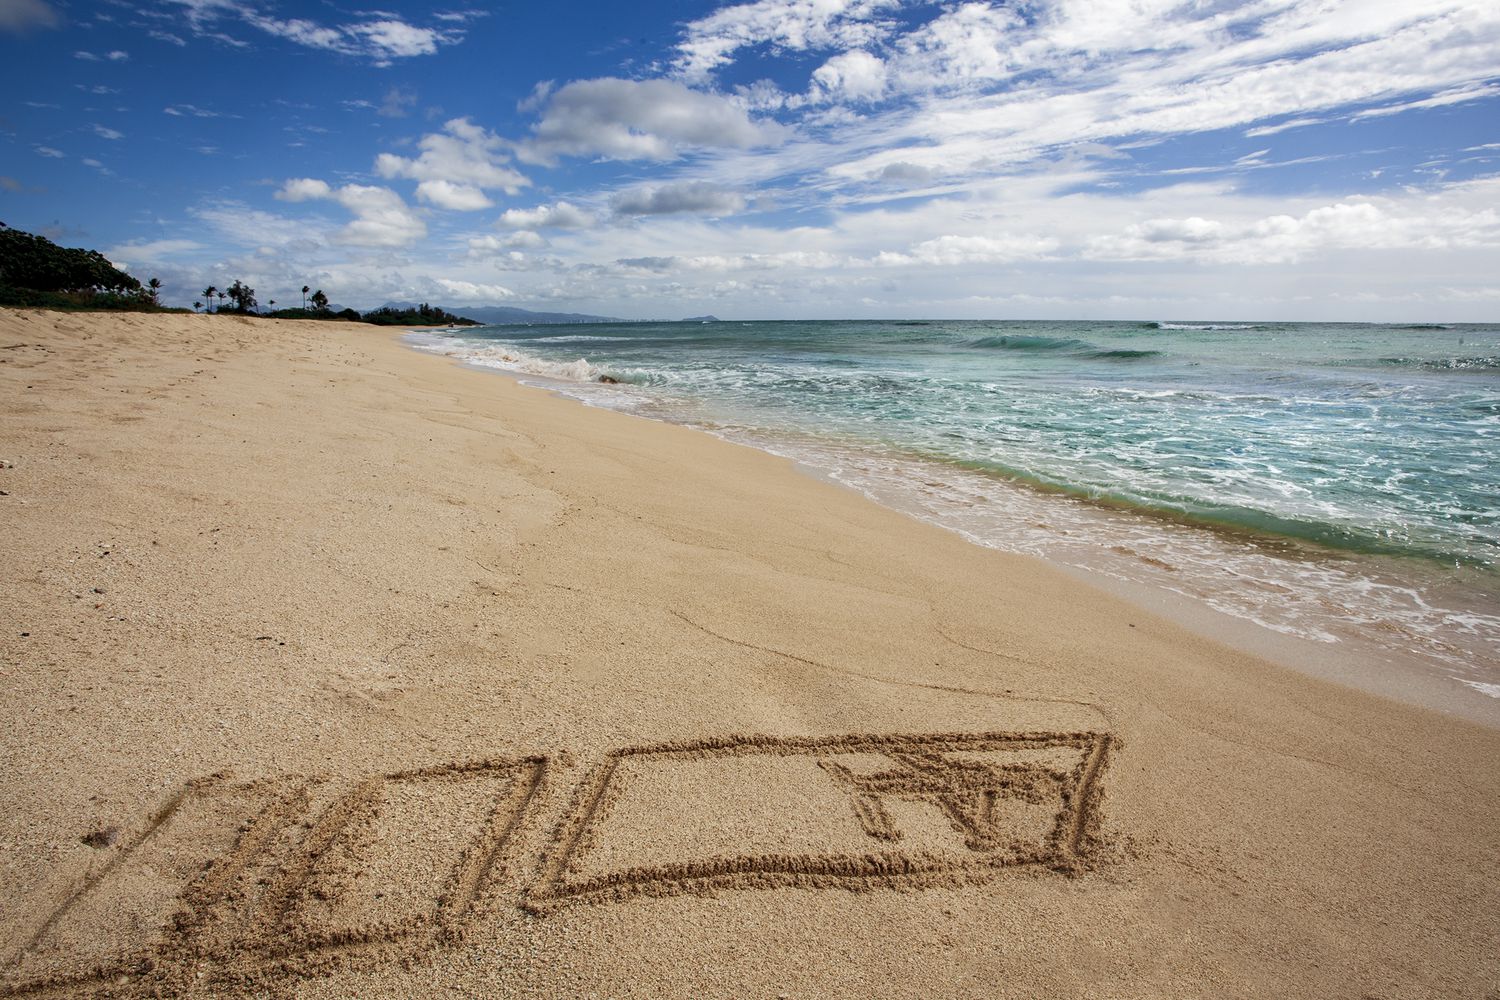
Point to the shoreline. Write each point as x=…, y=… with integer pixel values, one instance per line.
x=314, y=637
x=1363, y=665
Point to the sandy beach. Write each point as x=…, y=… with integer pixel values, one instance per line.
x=335, y=669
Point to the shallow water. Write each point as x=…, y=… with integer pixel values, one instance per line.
x=1337, y=482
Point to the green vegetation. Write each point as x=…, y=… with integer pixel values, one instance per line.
x=423, y=315
x=37, y=273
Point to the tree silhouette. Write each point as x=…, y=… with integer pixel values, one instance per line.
x=222, y=297
x=305, y=290
x=155, y=285
x=319, y=301
x=197, y=306
x=272, y=304
x=243, y=296
x=209, y=293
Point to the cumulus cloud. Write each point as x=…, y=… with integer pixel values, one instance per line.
x=456, y=166
x=641, y=120
x=671, y=199
x=107, y=133
x=20, y=16
x=381, y=217
x=456, y=197
x=851, y=76
x=558, y=216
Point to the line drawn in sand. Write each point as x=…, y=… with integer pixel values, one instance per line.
x=229, y=879
x=231, y=886
x=857, y=812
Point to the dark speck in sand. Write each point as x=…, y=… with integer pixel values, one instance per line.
x=102, y=838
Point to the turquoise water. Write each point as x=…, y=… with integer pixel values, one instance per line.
x=1368, y=452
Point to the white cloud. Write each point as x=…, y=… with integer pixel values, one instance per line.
x=184, y=110
x=238, y=223
x=489, y=245
x=398, y=39
x=472, y=293
x=381, y=218
x=379, y=36
x=152, y=252
x=950, y=250
x=669, y=199
x=796, y=25
x=641, y=120
x=457, y=197
x=106, y=133
x=48, y=151
x=457, y=163
x=1450, y=220
x=304, y=189
x=20, y=16
x=851, y=76
x=559, y=216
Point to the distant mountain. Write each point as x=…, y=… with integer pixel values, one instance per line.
x=512, y=316
x=703, y=319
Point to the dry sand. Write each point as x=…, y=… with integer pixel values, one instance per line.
x=374, y=676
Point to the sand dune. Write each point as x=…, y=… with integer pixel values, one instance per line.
x=333, y=669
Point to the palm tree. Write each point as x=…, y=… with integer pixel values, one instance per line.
x=222, y=297
x=272, y=304
x=209, y=293
x=304, y=298
x=319, y=301
x=155, y=285
x=197, y=306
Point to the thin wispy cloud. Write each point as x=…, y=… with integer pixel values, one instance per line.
x=378, y=37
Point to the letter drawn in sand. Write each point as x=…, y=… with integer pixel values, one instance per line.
x=230, y=878
x=860, y=811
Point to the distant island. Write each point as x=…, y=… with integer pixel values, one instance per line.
x=516, y=316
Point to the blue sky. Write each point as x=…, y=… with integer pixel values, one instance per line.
x=1151, y=159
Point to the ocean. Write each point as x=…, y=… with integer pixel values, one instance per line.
x=1334, y=482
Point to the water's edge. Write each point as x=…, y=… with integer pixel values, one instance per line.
x=1376, y=667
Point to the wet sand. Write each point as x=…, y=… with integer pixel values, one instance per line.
x=364, y=674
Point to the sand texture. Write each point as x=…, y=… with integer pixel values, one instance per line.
x=332, y=669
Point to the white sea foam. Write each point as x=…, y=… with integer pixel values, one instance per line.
x=510, y=359
x=1208, y=326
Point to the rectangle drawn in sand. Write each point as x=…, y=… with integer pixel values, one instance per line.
x=858, y=811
